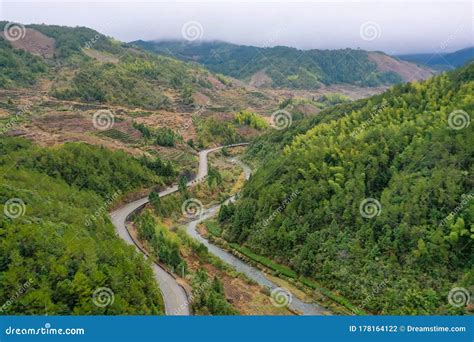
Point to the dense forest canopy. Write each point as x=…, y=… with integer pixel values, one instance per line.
x=313, y=67
x=384, y=195
x=57, y=237
x=19, y=68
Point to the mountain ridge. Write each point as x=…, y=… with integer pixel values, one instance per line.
x=442, y=61
x=283, y=66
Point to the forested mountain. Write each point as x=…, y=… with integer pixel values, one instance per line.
x=375, y=200
x=443, y=61
x=285, y=67
x=357, y=196
x=18, y=68
x=56, y=239
x=86, y=65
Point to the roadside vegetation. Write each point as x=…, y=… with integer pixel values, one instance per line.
x=208, y=297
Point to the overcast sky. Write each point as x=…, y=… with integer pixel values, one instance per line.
x=392, y=26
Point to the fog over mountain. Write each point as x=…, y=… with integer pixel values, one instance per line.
x=395, y=27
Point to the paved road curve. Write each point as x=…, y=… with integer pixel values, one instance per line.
x=252, y=272
x=174, y=296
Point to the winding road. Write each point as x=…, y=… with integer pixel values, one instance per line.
x=174, y=295
x=252, y=272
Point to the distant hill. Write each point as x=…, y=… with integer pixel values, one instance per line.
x=86, y=65
x=445, y=61
x=285, y=67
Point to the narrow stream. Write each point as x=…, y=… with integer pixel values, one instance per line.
x=251, y=272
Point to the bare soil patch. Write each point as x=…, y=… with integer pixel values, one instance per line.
x=101, y=56
x=35, y=43
x=260, y=79
x=408, y=71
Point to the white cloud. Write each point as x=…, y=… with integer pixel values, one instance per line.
x=406, y=27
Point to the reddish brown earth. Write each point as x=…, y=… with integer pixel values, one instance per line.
x=260, y=79
x=35, y=43
x=408, y=71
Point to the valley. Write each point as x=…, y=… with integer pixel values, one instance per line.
x=210, y=178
